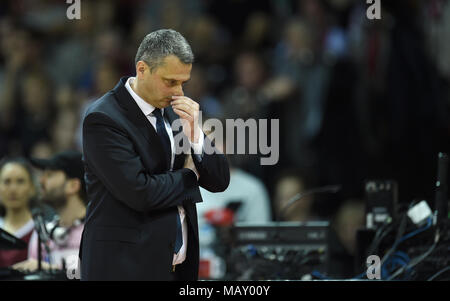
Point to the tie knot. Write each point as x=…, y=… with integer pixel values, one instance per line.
x=157, y=112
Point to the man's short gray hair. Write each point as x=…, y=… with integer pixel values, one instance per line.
x=161, y=43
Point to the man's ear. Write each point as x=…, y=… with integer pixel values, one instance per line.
x=141, y=68
x=73, y=186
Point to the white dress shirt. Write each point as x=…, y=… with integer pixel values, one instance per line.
x=148, y=109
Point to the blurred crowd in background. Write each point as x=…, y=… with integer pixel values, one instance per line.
x=357, y=99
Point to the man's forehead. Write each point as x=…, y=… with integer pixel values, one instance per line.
x=177, y=77
x=173, y=68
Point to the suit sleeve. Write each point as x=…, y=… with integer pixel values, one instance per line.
x=110, y=155
x=213, y=169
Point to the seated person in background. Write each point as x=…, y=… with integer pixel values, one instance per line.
x=349, y=217
x=288, y=184
x=246, y=196
x=63, y=189
x=17, y=194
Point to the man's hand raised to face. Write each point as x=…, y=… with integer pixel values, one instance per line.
x=188, y=110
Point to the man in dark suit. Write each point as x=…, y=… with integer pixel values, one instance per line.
x=141, y=221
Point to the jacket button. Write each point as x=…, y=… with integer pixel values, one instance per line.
x=172, y=245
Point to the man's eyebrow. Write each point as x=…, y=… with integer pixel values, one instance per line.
x=177, y=80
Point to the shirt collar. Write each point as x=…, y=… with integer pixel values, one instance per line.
x=145, y=107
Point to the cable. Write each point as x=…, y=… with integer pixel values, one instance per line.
x=379, y=236
x=400, y=232
x=418, y=259
x=319, y=275
x=360, y=276
x=400, y=258
x=395, y=261
x=402, y=239
x=381, y=233
x=417, y=231
x=439, y=273
x=402, y=228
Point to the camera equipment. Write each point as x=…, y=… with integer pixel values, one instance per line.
x=441, y=199
x=413, y=242
x=381, y=198
x=284, y=250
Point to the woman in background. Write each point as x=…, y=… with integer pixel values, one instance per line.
x=17, y=193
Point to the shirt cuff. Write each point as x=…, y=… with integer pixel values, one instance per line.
x=198, y=147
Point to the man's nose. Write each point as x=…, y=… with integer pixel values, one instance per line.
x=179, y=91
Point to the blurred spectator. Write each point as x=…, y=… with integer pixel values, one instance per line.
x=21, y=70
x=44, y=16
x=63, y=189
x=245, y=100
x=302, y=80
x=63, y=130
x=437, y=26
x=38, y=110
x=210, y=42
x=288, y=184
x=106, y=76
x=70, y=57
x=233, y=15
x=171, y=14
x=257, y=32
x=17, y=196
x=246, y=192
x=198, y=90
x=348, y=219
x=42, y=149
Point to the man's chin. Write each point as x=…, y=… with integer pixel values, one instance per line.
x=165, y=103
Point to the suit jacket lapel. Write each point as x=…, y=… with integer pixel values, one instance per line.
x=135, y=115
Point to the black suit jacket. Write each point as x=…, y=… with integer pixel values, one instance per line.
x=130, y=225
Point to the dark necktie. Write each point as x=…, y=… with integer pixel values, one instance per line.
x=162, y=133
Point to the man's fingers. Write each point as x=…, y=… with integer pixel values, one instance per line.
x=183, y=114
x=183, y=107
x=189, y=114
x=184, y=100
